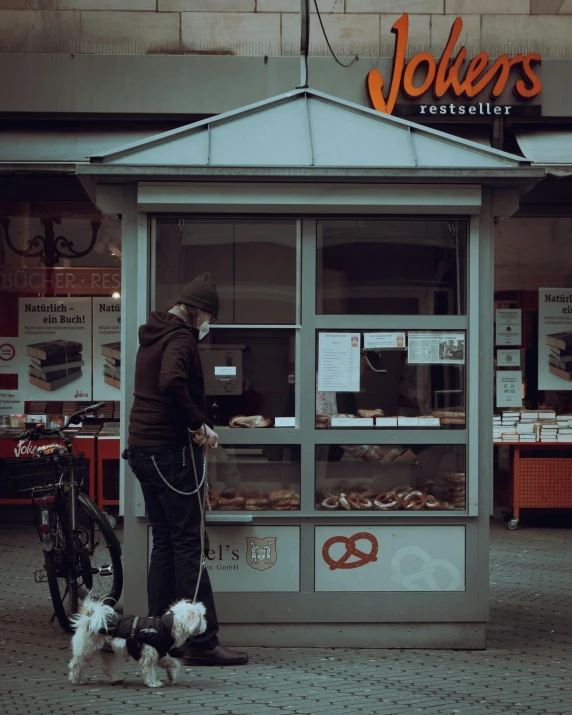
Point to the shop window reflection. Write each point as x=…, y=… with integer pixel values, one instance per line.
x=391, y=267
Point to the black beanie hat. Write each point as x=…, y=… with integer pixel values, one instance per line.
x=201, y=293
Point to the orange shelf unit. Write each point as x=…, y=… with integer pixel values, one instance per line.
x=540, y=482
x=108, y=448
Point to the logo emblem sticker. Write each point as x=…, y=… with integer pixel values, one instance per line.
x=261, y=554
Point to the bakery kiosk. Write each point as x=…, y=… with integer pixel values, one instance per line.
x=349, y=374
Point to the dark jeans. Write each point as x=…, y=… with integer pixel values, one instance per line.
x=175, y=523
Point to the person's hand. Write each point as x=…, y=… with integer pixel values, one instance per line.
x=206, y=436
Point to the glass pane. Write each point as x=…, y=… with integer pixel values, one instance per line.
x=414, y=477
x=249, y=373
x=409, y=379
x=255, y=478
x=253, y=264
x=391, y=267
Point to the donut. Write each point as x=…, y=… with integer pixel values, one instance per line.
x=387, y=501
x=331, y=503
x=432, y=503
x=414, y=501
x=358, y=501
x=344, y=503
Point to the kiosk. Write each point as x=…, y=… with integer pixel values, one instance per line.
x=353, y=252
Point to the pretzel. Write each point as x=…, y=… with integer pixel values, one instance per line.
x=255, y=507
x=402, y=491
x=281, y=495
x=344, y=503
x=414, y=501
x=256, y=502
x=228, y=493
x=359, y=502
x=281, y=503
x=331, y=503
x=231, y=507
x=432, y=503
x=281, y=508
x=387, y=501
x=237, y=501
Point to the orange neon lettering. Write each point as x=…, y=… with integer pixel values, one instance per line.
x=444, y=76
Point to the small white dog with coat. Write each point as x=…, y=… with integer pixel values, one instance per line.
x=99, y=628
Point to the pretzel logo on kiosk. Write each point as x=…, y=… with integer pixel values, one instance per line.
x=350, y=543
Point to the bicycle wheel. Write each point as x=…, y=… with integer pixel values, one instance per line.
x=99, y=569
x=63, y=590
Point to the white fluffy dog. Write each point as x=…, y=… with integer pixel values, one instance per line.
x=148, y=640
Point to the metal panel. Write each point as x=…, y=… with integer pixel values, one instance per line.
x=551, y=148
x=344, y=138
x=316, y=197
x=472, y=369
x=179, y=151
x=278, y=136
x=431, y=151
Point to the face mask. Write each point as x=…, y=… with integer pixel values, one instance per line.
x=203, y=329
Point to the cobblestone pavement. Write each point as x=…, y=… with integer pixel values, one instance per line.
x=526, y=669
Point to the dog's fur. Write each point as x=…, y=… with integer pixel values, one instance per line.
x=188, y=620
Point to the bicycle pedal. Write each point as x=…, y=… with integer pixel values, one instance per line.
x=106, y=570
x=40, y=576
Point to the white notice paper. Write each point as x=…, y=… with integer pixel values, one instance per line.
x=508, y=326
x=339, y=362
x=427, y=348
x=509, y=388
x=508, y=358
x=383, y=341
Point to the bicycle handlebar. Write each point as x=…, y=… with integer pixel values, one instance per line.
x=38, y=432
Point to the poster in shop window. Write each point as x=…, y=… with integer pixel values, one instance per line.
x=54, y=336
x=555, y=339
x=106, y=349
x=432, y=348
x=10, y=401
x=508, y=324
x=339, y=362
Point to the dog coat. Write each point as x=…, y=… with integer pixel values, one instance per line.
x=154, y=631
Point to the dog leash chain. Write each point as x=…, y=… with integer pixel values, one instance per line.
x=202, y=509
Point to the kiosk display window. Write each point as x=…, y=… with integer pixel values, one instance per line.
x=390, y=477
x=255, y=478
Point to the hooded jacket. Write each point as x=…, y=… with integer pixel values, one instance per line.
x=169, y=385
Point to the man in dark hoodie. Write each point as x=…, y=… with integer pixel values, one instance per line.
x=168, y=414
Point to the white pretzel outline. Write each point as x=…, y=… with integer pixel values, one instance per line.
x=426, y=573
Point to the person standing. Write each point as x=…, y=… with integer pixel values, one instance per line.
x=169, y=415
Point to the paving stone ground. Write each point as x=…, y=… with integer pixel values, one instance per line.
x=526, y=669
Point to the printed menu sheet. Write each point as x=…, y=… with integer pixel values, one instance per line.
x=339, y=362
x=106, y=348
x=427, y=348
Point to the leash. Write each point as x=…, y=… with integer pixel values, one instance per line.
x=203, y=503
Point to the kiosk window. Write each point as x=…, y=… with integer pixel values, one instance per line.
x=253, y=264
x=391, y=267
x=389, y=478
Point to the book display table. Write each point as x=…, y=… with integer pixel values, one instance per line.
x=541, y=477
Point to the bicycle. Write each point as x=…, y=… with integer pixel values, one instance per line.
x=82, y=553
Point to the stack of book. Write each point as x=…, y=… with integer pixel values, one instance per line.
x=112, y=365
x=497, y=427
x=54, y=363
x=549, y=431
x=560, y=354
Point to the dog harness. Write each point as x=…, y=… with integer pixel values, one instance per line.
x=137, y=632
